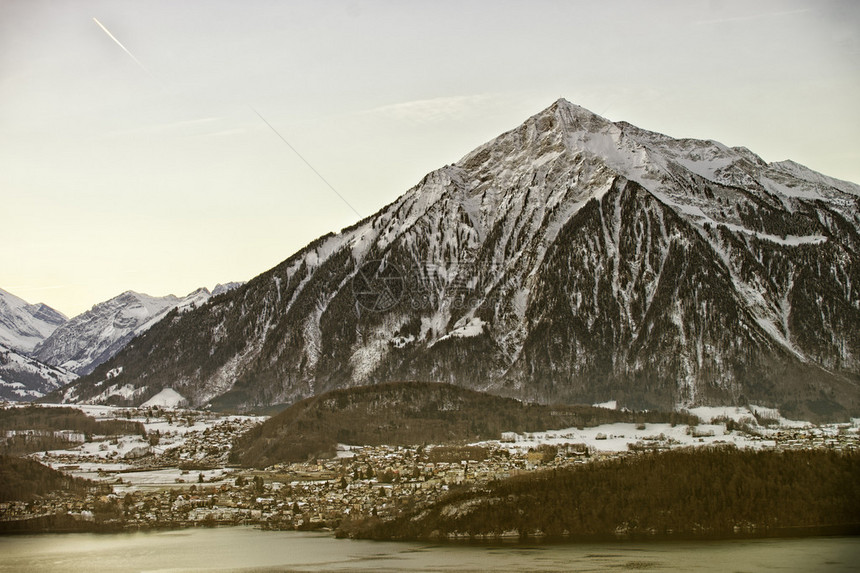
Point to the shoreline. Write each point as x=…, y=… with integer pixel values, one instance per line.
x=70, y=525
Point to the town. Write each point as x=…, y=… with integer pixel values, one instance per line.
x=178, y=476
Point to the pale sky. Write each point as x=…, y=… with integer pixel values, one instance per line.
x=149, y=169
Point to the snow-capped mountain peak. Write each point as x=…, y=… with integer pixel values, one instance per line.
x=24, y=325
x=570, y=259
x=90, y=338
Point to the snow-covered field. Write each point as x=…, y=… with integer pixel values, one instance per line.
x=620, y=436
x=171, y=477
x=745, y=415
x=175, y=439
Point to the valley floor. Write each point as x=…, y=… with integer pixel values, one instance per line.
x=177, y=475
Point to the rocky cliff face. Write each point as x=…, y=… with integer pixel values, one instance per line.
x=571, y=259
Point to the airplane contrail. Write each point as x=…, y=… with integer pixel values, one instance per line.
x=300, y=156
x=118, y=43
x=296, y=151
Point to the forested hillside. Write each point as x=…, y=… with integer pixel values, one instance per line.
x=698, y=493
x=404, y=413
x=572, y=259
x=23, y=479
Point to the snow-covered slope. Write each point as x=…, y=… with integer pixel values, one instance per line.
x=24, y=325
x=571, y=259
x=24, y=379
x=90, y=338
x=167, y=398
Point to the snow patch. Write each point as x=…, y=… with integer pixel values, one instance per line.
x=465, y=328
x=365, y=360
x=788, y=240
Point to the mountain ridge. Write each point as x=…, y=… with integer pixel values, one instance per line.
x=23, y=325
x=569, y=259
x=94, y=336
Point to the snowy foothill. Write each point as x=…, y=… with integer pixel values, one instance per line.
x=167, y=398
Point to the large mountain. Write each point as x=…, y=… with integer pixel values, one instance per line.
x=24, y=325
x=96, y=335
x=572, y=259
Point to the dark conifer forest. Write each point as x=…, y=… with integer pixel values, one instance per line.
x=22, y=479
x=709, y=493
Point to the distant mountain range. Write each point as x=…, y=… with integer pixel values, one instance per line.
x=23, y=325
x=94, y=336
x=42, y=350
x=571, y=259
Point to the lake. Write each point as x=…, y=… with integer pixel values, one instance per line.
x=248, y=549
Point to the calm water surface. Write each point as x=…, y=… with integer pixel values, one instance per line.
x=246, y=549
